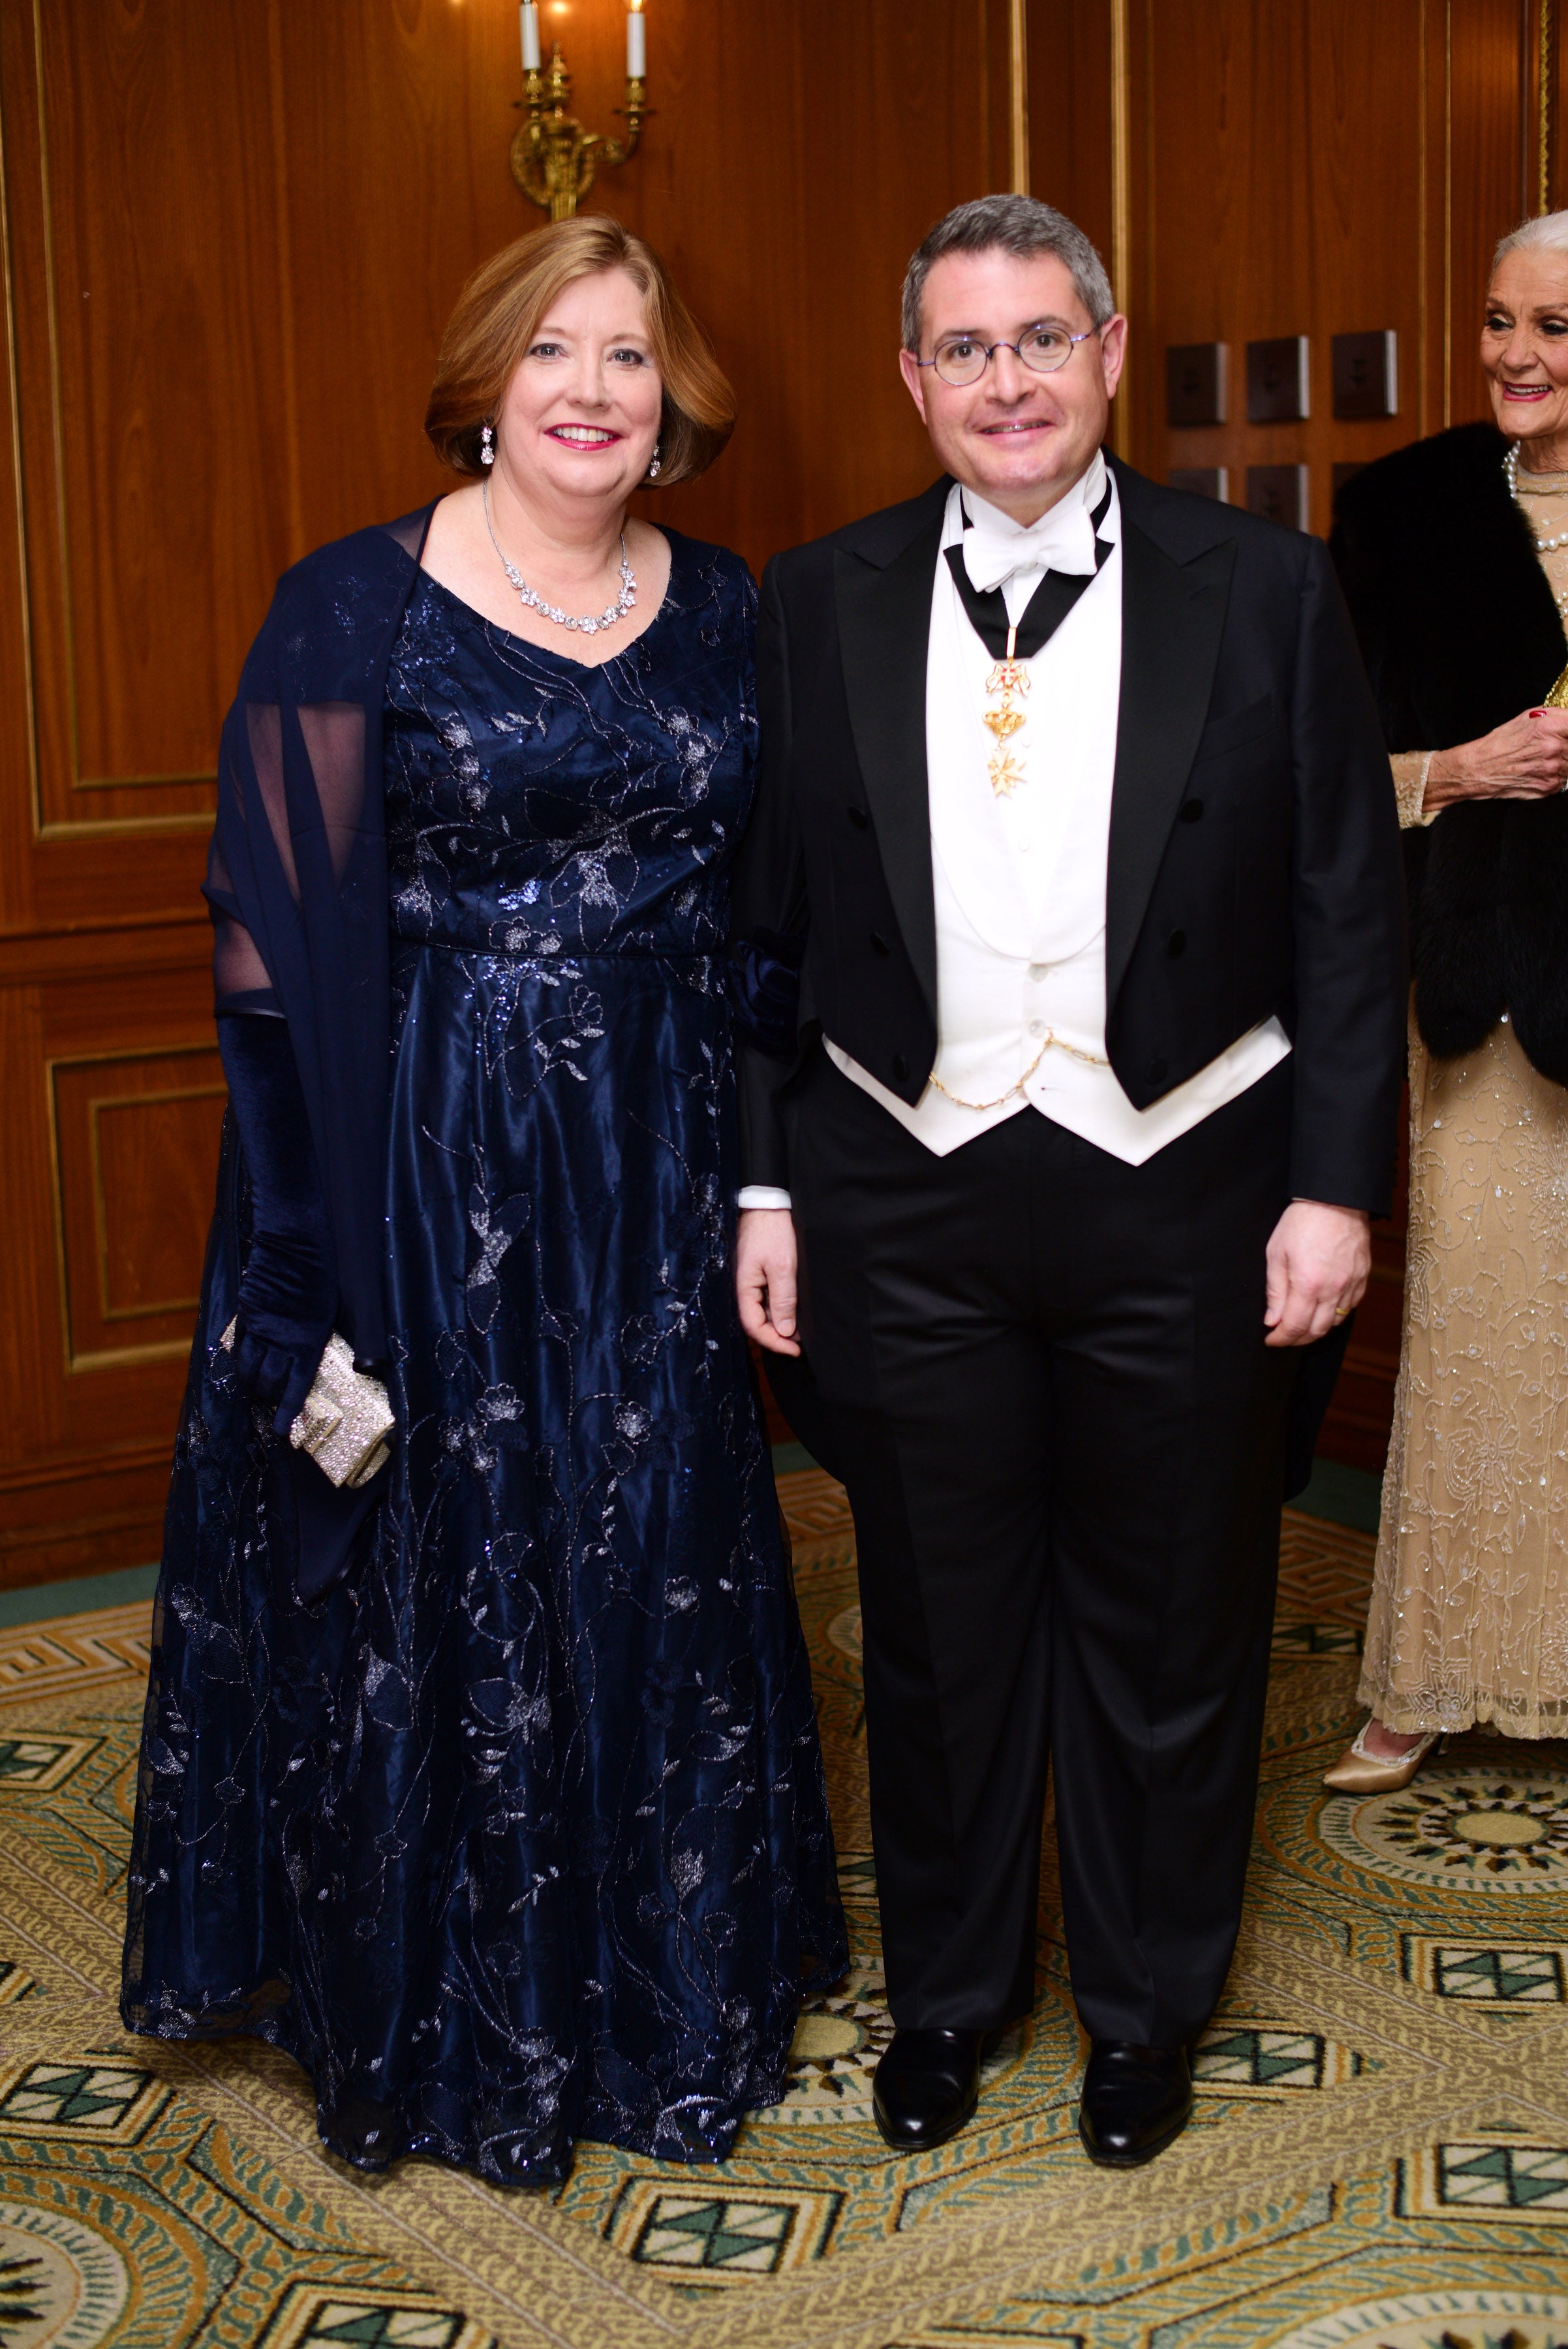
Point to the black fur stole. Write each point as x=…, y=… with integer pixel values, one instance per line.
x=1460, y=632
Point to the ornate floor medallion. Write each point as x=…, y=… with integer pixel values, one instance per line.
x=62, y=2285
x=1438, y=2320
x=1499, y=1831
x=845, y=1633
x=838, y=2042
x=1364, y=2170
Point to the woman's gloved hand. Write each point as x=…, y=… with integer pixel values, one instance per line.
x=288, y=1289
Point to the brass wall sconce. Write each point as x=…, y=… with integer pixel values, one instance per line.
x=553, y=158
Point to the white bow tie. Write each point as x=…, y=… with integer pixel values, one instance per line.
x=1062, y=539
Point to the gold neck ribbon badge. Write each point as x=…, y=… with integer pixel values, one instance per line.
x=1007, y=679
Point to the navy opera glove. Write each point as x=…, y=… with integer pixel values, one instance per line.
x=764, y=982
x=288, y=1290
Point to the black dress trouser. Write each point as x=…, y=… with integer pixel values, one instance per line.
x=1063, y=1438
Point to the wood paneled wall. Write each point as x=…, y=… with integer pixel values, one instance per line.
x=1254, y=169
x=233, y=230
x=1317, y=171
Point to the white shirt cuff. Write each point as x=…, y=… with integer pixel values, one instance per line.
x=761, y=1195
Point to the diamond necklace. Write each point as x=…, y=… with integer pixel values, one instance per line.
x=534, y=602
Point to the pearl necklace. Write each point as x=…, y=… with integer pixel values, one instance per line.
x=1511, y=473
x=536, y=602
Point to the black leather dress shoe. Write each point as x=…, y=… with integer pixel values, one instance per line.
x=1135, y=2101
x=927, y=2087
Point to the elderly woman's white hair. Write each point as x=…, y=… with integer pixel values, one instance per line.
x=1548, y=234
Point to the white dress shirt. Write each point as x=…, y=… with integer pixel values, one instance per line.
x=1020, y=881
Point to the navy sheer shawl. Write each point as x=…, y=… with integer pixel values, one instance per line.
x=296, y=876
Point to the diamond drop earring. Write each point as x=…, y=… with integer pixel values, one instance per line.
x=654, y=463
x=487, y=446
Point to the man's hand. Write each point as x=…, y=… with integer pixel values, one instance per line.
x=765, y=1277
x=1318, y=1260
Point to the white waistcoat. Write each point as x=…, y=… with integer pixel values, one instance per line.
x=1020, y=881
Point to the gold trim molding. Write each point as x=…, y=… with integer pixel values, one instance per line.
x=1546, y=124
x=1018, y=93
x=1121, y=201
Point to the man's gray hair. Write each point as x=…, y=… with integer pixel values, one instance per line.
x=1023, y=226
x=1547, y=234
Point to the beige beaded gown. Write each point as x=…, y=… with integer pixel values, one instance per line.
x=1469, y=1607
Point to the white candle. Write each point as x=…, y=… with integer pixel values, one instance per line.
x=635, y=42
x=528, y=19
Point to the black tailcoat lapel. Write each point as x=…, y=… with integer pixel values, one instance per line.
x=884, y=631
x=1172, y=619
x=1173, y=614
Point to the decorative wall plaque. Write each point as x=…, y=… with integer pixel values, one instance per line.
x=1277, y=380
x=1203, y=480
x=1278, y=492
x=1367, y=374
x=1195, y=383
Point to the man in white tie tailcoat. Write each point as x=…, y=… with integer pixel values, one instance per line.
x=1075, y=816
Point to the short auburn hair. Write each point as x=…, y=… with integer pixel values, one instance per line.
x=498, y=314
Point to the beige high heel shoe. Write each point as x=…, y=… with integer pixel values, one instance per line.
x=1358, y=1772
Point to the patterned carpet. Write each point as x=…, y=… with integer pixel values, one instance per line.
x=1379, y=2161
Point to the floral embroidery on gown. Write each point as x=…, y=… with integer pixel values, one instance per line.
x=519, y=1836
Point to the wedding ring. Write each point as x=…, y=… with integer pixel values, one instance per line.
x=1342, y=1312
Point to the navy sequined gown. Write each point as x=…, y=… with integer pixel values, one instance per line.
x=519, y=1836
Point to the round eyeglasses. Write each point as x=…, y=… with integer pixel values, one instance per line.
x=963, y=358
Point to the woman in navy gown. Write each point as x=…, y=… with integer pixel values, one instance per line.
x=491, y=1790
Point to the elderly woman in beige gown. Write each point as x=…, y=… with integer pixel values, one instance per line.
x=1454, y=558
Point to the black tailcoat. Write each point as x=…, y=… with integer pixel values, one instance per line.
x=1040, y=1371
x=1251, y=820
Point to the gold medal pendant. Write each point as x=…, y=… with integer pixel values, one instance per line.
x=1009, y=679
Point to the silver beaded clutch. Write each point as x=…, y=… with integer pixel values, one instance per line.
x=347, y=1419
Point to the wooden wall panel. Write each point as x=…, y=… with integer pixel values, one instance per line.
x=1548, y=97
x=92, y=1390
x=135, y=1139
x=141, y=279
x=233, y=230
x=1071, y=107
x=1318, y=169
x=802, y=295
